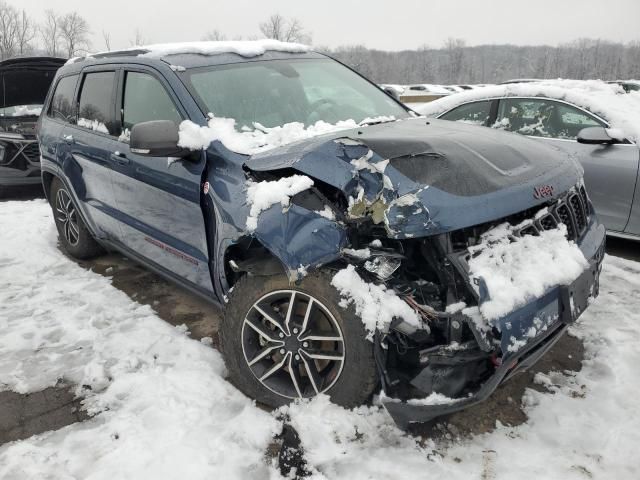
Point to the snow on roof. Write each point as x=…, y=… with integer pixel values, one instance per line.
x=245, y=48
x=608, y=101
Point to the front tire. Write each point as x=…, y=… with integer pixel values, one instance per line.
x=282, y=342
x=73, y=234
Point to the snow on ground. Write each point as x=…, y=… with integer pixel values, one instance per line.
x=621, y=110
x=163, y=410
x=262, y=195
x=163, y=407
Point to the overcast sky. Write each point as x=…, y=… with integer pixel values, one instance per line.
x=383, y=24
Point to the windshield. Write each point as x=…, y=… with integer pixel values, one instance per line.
x=277, y=92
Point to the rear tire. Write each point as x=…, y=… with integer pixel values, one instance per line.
x=73, y=234
x=335, y=333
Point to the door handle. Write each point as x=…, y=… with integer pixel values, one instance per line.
x=68, y=139
x=120, y=158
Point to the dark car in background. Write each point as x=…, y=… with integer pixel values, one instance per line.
x=391, y=200
x=24, y=83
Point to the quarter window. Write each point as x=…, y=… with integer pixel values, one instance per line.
x=476, y=113
x=62, y=102
x=145, y=99
x=95, y=106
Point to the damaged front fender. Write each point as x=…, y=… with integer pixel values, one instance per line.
x=301, y=239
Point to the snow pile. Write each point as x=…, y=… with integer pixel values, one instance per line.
x=262, y=195
x=26, y=111
x=517, y=270
x=609, y=101
x=376, y=305
x=162, y=407
x=249, y=142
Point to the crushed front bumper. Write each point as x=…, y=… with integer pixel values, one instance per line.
x=563, y=304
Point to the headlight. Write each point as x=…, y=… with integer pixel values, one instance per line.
x=382, y=266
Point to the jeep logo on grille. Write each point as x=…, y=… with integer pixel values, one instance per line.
x=543, y=191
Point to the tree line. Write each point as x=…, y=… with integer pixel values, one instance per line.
x=68, y=34
x=457, y=63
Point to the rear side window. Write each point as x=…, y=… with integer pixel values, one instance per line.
x=145, y=99
x=95, y=109
x=62, y=102
x=476, y=113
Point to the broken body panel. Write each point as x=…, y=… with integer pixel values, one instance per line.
x=416, y=184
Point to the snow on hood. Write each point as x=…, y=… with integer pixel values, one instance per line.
x=245, y=48
x=609, y=101
x=249, y=142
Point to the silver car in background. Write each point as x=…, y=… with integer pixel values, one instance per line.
x=596, y=122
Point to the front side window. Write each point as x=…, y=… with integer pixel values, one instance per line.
x=62, y=102
x=276, y=92
x=476, y=113
x=543, y=118
x=145, y=99
x=95, y=109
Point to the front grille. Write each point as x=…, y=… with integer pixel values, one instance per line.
x=32, y=152
x=572, y=210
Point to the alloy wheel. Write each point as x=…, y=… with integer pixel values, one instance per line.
x=67, y=215
x=292, y=344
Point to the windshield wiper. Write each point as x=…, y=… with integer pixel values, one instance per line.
x=377, y=120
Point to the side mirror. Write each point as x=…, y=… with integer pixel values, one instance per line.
x=595, y=136
x=392, y=92
x=158, y=138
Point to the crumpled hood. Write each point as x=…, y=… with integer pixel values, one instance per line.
x=26, y=81
x=423, y=177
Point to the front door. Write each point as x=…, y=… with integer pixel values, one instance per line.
x=158, y=198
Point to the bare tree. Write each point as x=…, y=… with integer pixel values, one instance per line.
x=138, y=40
x=26, y=33
x=50, y=32
x=106, y=36
x=8, y=29
x=279, y=28
x=215, y=35
x=454, y=48
x=74, y=32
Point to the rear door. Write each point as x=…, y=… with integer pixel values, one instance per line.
x=610, y=171
x=85, y=151
x=158, y=198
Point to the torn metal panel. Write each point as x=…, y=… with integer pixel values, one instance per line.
x=300, y=238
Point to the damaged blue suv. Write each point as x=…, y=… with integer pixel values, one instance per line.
x=353, y=244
